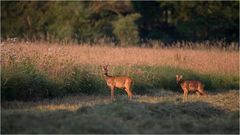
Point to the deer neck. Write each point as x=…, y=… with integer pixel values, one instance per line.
x=106, y=76
x=181, y=81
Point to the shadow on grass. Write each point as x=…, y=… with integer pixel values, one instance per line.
x=123, y=116
x=26, y=83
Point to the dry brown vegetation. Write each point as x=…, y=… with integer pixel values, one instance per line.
x=53, y=57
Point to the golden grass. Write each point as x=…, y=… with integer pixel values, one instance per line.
x=69, y=103
x=228, y=101
x=54, y=58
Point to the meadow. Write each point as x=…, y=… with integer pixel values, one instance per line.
x=164, y=112
x=51, y=88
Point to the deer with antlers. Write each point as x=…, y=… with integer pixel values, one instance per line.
x=123, y=82
x=190, y=86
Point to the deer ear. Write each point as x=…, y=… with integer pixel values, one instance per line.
x=103, y=67
x=181, y=76
x=176, y=76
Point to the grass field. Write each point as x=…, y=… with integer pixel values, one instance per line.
x=164, y=112
x=50, y=88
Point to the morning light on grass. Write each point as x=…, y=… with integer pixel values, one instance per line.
x=113, y=68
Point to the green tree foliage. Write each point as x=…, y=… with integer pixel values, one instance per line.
x=126, y=21
x=207, y=20
x=126, y=30
x=152, y=24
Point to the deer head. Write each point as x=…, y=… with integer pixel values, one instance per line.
x=178, y=78
x=105, y=69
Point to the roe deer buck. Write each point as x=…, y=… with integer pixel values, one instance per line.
x=190, y=85
x=113, y=82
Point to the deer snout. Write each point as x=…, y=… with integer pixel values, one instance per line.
x=177, y=81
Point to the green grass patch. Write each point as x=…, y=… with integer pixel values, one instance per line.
x=24, y=82
x=156, y=77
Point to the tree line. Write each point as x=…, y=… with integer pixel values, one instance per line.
x=120, y=22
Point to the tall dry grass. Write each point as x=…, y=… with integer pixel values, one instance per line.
x=38, y=70
x=56, y=58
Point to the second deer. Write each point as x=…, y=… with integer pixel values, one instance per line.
x=190, y=85
x=113, y=82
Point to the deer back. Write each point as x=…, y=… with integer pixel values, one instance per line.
x=119, y=82
x=192, y=85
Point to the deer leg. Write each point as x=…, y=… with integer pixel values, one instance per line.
x=185, y=92
x=129, y=93
x=198, y=93
x=112, y=93
x=202, y=93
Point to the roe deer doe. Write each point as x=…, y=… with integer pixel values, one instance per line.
x=113, y=82
x=190, y=86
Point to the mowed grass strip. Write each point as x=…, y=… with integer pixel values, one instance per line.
x=164, y=112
